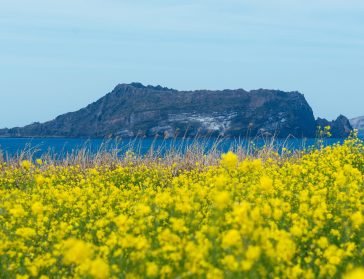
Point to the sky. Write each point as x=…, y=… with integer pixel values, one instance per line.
x=59, y=56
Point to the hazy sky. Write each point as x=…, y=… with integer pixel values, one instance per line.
x=58, y=56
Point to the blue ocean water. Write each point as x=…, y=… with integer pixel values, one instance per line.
x=62, y=146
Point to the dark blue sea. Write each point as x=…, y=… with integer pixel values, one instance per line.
x=60, y=147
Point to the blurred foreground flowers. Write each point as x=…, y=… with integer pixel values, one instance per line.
x=296, y=218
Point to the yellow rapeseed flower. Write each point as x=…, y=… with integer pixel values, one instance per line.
x=152, y=269
x=76, y=251
x=26, y=164
x=357, y=219
x=222, y=199
x=280, y=217
x=253, y=253
x=37, y=208
x=25, y=232
x=229, y=160
x=99, y=269
x=266, y=183
x=231, y=238
x=357, y=273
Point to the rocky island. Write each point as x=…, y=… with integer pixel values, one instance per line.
x=358, y=124
x=132, y=110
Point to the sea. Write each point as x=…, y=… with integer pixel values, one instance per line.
x=61, y=147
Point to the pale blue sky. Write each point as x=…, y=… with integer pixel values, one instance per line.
x=58, y=56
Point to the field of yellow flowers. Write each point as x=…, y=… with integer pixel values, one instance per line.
x=301, y=217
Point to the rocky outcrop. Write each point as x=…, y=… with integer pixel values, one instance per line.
x=340, y=128
x=137, y=110
x=358, y=124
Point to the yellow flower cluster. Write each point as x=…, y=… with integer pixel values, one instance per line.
x=296, y=218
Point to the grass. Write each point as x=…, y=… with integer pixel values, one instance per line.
x=186, y=152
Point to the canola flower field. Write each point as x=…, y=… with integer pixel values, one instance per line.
x=301, y=217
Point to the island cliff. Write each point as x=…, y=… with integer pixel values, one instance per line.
x=358, y=123
x=137, y=110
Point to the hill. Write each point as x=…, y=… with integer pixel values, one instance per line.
x=137, y=110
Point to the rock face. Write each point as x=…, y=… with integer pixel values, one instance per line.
x=358, y=123
x=340, y=128
x=137, y=110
